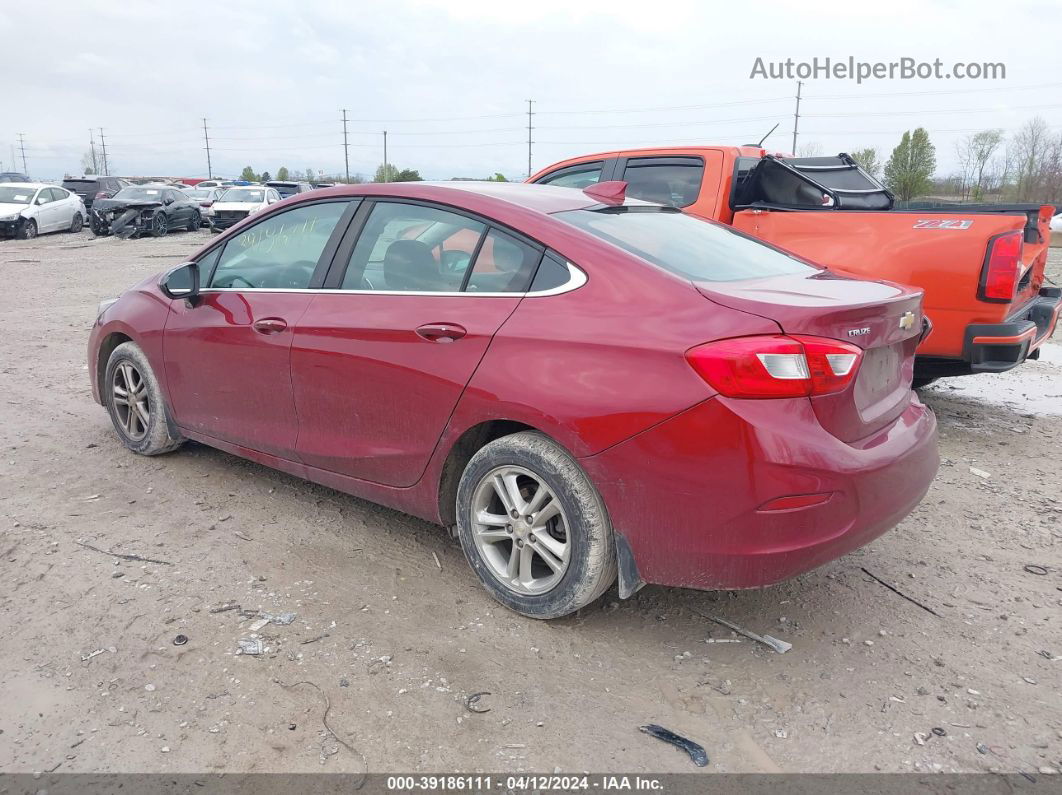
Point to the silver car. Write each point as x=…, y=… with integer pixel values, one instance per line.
x=28, y=209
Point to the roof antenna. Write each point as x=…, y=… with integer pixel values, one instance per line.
x=764, y=138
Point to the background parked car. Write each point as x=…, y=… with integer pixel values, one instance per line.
x=205, y=197
x=145, y=209
x=13, y=176
x=237, y=203
x=28, y=209
x=92, y=187
x=1056, y=222
x=286, y=189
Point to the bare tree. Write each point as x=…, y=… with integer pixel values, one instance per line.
x=975, y=151
x=1030, y=152
x=810, y=149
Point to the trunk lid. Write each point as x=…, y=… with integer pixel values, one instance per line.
x=881, y=318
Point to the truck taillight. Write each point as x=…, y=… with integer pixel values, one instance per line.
x=775, y=366
x=1002, y=269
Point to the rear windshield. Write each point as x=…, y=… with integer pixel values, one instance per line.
x=82, y=184
x=701, y=251
x=137, y=193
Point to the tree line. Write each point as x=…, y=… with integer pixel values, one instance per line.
x=1025, y=167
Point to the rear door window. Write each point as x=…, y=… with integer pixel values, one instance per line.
x=673, y=181
x=504, y=265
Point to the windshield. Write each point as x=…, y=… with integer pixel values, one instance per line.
x=139, y=194
x=691, y=248
x=243, y=195
x=16, y=195
x=200, y=193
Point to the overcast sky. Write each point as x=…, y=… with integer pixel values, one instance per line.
x=449, y=79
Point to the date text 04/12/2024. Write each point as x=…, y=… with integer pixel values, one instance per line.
x=522, y=783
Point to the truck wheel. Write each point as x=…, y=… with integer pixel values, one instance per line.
x=28, y=230
x=133, y=398
x=533, y=527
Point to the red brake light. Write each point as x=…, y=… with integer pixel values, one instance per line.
x=776, y=366
x=102, y=195
x=205, y=204
x=999, y=280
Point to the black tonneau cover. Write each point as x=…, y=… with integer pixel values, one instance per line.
x=811, y=183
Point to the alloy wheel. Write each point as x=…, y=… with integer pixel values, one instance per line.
x=161, y=225
x=130, y=396
x=520, y=530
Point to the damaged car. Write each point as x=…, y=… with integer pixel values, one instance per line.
x=145, y=210
x=30, y=208
x=237, y=203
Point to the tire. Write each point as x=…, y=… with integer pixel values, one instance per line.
x=28, y=230
x=77, y=224
x=195, y=223
x=918, y=383
x=160, y=225
x=153, y=436
x=585, y=548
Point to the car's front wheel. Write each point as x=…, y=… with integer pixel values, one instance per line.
x=133, y=398
x=28, y=230
x=160, y=225
x=533, y=527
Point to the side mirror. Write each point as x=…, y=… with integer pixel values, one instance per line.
x=181, y=282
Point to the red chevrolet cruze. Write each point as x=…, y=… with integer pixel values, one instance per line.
x=587, y=386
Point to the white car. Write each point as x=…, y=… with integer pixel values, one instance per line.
x=206, y=198
x=238, y=202
x=28, y=209
x=1056, y=222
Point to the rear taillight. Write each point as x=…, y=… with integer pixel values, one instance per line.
x=1002, y=269
x=205, y=204
x=776, y=366
x=102, y=195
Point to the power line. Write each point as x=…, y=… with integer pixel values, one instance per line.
x=530, y=102
x=346, y=147
x=206, y=138
x=926, y=93
x=103, y=143
x=924, y=112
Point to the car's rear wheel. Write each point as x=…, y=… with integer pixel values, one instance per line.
x=160, y=225
x=28, y=231
x=533, y=527
x=134, y=400
x=77, y=223
x=196, y=222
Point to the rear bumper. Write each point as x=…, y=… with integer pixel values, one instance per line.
x=998, y=347
x=687, y=498
x=995, y=347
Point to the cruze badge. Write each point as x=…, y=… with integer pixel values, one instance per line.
x=858, y=332
x=907, y=320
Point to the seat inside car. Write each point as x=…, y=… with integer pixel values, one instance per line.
x=409, y=265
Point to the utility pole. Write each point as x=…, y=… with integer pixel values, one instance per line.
x=346, y=148
x=387, y=176
x=529, y=115
x=106, y=165
x=92, y=145
x=796, y=117
x=206, y=138
x=22, y=144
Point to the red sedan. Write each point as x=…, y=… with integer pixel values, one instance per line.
x=586, y=386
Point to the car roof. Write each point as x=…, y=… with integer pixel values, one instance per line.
x=538, y=198
x=33, y=185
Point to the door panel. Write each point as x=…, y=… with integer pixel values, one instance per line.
x=372, y=395
x=228, y=372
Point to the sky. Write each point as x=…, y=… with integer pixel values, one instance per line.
x=450, y=79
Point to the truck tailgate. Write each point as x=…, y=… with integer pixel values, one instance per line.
x=941, y=252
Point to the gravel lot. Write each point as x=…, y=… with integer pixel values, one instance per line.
x=388, y=641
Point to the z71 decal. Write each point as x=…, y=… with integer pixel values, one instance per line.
x=941, y=223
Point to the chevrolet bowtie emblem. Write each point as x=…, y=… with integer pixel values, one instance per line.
x=907, y=320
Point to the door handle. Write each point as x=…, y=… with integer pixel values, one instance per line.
x=269, y=325
x=440, y=332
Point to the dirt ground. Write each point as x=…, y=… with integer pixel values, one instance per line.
x=388, y=642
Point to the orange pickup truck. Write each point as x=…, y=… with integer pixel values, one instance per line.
x=981, y=266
